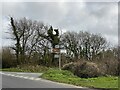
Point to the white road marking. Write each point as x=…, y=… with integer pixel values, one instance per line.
x=1, y=73
x=12, y=75
x=32, y=78
x=20, y=73
x=20, y=76
x=26, y=77
x=37, y=79
x=17, y=76
x=8, y=74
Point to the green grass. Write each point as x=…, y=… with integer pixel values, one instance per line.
x=11, y=70
x=64, y=76
x=26, y=68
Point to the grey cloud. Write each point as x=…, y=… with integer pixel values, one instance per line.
x=96, y=17
x=93, y=17
x=47, y=12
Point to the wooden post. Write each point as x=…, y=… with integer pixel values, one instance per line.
x=59, y=61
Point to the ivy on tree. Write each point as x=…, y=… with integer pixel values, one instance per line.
x=54, y=37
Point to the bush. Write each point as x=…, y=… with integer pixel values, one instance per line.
x=32, y=68
x=109, y=67
x=70, y=66
x=87, y=69
x=8, y=59
x=83, y=69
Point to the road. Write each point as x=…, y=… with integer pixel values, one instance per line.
x=31, y=80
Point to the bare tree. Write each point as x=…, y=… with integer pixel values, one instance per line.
x=25, y=33
x=32, y=37
x=70, y=42
x=98, y=45
x=83, y=44
x=17, y=36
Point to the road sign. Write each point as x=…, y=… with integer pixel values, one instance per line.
x=56, y=56
x=55, y=50
x=56, y=46
x=63, y=51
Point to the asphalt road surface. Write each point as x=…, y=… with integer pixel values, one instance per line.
x=31, y=80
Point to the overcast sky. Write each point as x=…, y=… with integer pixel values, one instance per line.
x=94, y=17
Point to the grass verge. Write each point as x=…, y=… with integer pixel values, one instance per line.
x=64, y=76
x=27, y=68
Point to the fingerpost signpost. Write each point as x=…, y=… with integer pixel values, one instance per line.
x=54, y=39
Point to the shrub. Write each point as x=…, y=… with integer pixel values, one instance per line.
x=87, y=69
x=84, y=69
x=32, y=68
x=109, y=67
x=8, y=59
x=70, y=66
